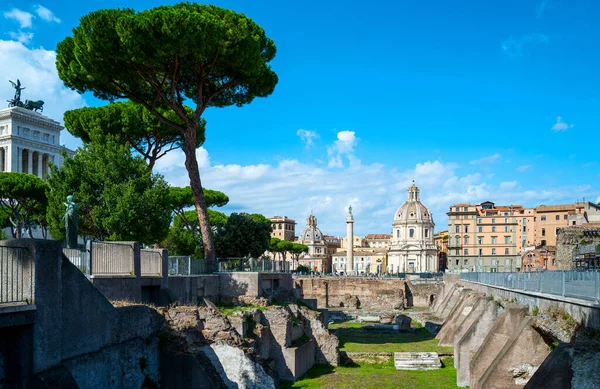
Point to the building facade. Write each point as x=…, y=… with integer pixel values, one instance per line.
x=29, y=142
x=379, y=241
x=440, y=239
x=358, y=241
x=366, y=261
x=412, y=247
x=484, y=237
x=283, y=228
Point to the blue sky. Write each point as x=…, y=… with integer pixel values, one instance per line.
x=475, y=100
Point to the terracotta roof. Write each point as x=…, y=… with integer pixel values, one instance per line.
x=461, y=205
x=378, y=236
x=555, y=208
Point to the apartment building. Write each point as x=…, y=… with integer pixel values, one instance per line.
x=283, y=228
x=485, y=237
x=379, y=241
x=440, y=239
x=358, y=241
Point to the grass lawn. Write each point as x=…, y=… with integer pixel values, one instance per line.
x=376, y=376
x=355, y=339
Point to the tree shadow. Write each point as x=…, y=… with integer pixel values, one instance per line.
x=315, y=372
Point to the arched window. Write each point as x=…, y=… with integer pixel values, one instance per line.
x=466, y=240
x=411, y=232
x=457, y=240
x=427, y=233
x=397, y=233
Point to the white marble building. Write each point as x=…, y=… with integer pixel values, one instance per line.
x=412, y=247
x=316, y=259
x=29, y=141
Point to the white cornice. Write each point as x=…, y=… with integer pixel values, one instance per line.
x=25, y=115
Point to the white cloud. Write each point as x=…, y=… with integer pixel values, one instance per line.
x=46, y=14
x=540, y=8
x=308, y=137
x=22, y=17
x=524, y=168
x=36, y=68
x=343, y=146
x=513, y=47
x=560, y=125
x=486, y=160
x=21, y=36
x=508, y=185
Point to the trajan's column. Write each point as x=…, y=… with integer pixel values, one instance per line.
x=350, y=242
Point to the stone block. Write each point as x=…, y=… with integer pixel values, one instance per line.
x=417, y=361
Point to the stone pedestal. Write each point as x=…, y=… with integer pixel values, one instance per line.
x=417, y=361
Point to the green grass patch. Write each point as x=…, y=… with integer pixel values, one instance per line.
x=345, y=324
x=229, y=309
x=362, y=340
x=376, y=376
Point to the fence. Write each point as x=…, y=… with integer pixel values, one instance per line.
x=151, y=262
x=80, y=258
x=186, y=266
x=578, y=284
x=16, y=276
x=112, y=258
x=262, y=265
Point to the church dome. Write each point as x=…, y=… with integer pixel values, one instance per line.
x=311, y=232
x=413, y=210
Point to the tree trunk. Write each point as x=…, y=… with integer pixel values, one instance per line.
x=191, y=164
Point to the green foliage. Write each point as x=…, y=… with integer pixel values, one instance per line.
x=303, y=269
x=164, y=56
x=535, y=311
x=21, y=197
x=182, y=198
x=185, y=238
x=118, y=197
x=243, y=235
x=131, y=123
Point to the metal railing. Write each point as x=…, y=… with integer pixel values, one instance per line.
x=186, y=266
x=578, y=284
x=80, y=258
x=151, y=262
x=112, y=258
x=261, y=265
x=16, y=276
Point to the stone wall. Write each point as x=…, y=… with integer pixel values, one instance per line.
x=369, y=293
x=566, y=240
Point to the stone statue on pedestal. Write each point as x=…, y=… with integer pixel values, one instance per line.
x=71, y=223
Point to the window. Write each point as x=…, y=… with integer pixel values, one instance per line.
x=411, y=232
x=427, y=233
x=556, y=231
x=493, y=228
x=557, y=217
x=480, y=221
x=505, y=220
x=397, y=233
x=457, y=209
x=466, y=251
x=466, y=228
x=506, y=251
x=566, y=217
x=493, y=221
x=457, y=252
x=465, y=209
x=480, y=252
x=506, y=239
x=493, y=251
x=524, y=228
x=458, y=240
x=480, y=229
x=457, y=229
x=543, y=218
x=524, y=243
x=466, y=240
x=494, y=240
x=505, y=228
x=543, y=232
x=480, y=239
x=524, y=220
x=457, y=262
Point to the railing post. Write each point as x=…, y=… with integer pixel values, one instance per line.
x=137, y=260
x=189, y=265
x=564, y=282
x=88, y=256
x=596, y=274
